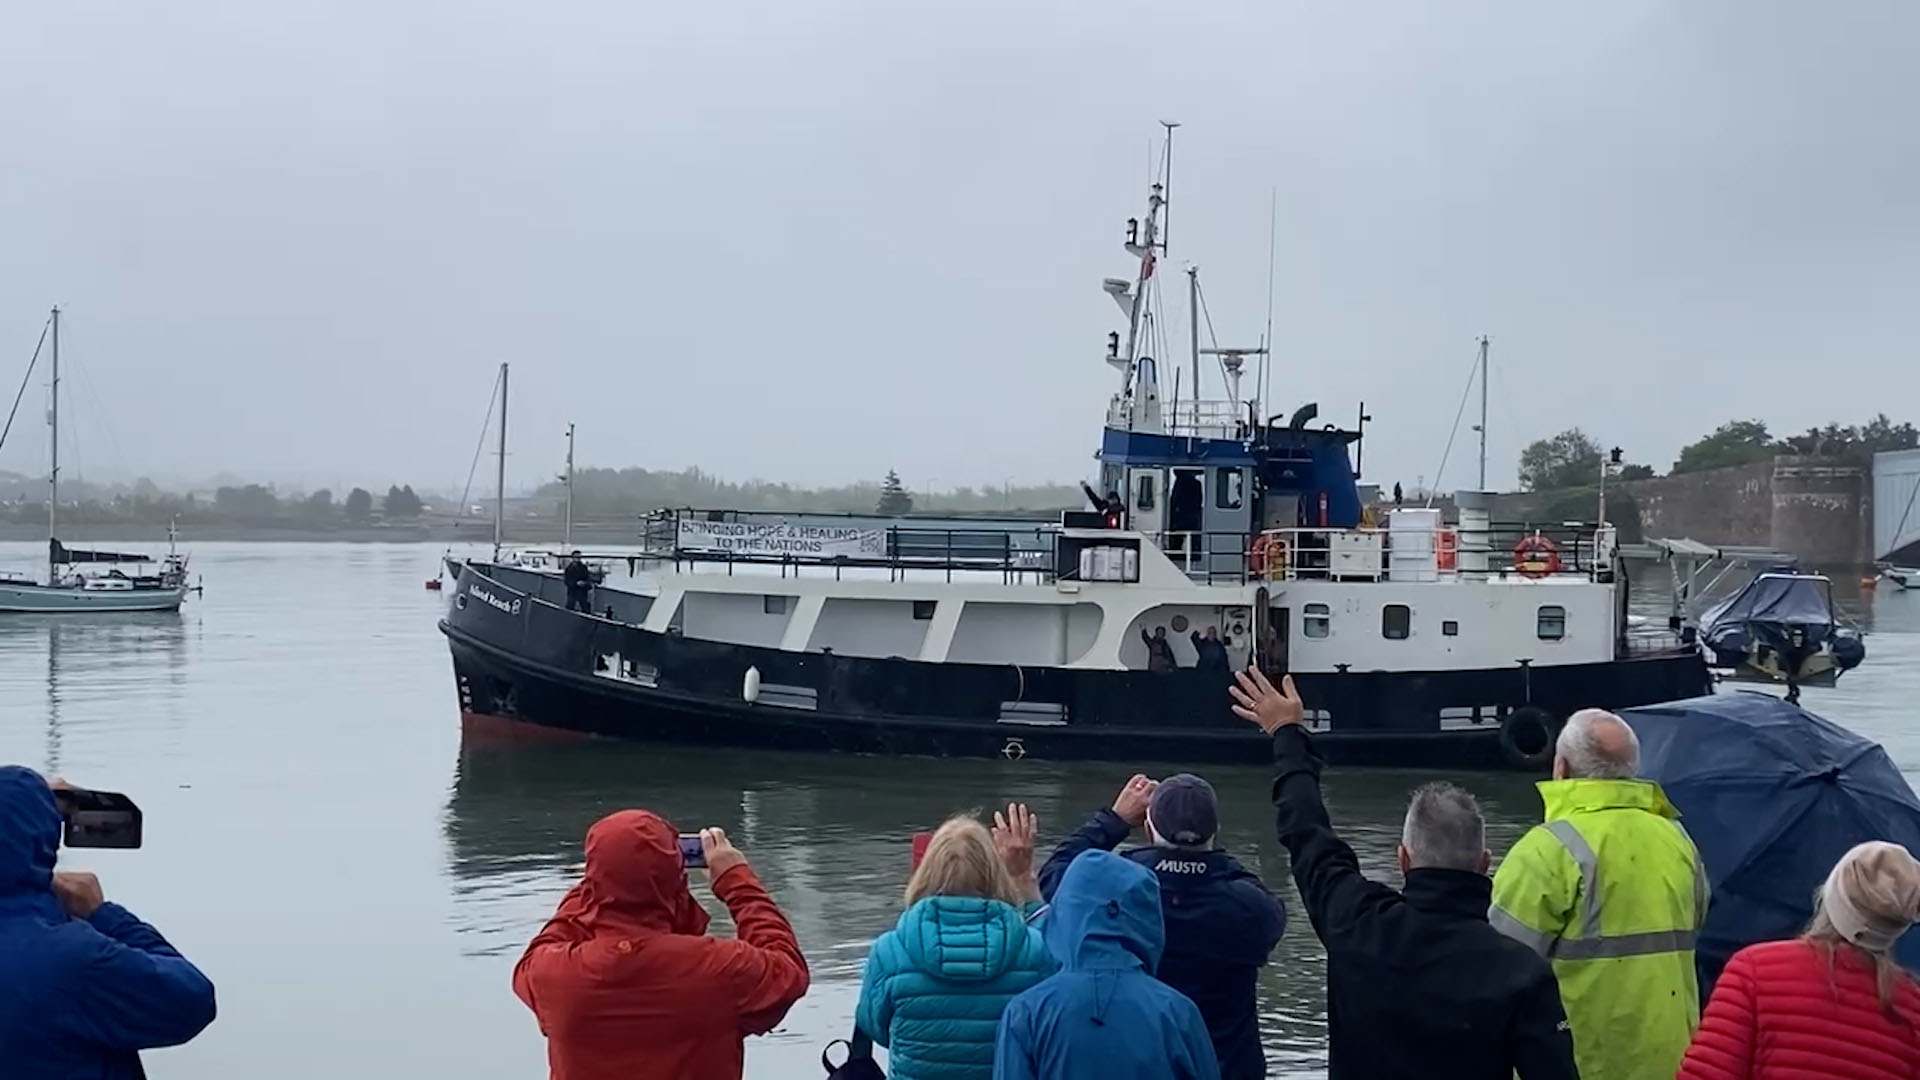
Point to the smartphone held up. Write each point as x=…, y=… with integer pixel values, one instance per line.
x=97, y=819
x=693, y=855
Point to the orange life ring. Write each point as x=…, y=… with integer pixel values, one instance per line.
x=1536, y=556
x=1267, y=549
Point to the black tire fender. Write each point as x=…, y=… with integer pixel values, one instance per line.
x=1527, y=735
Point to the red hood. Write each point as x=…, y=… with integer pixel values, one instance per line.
x=634, y=880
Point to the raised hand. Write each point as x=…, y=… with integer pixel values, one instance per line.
x=722, y=856
x=1131, y=803
x=78, y=892
x=1257, y=702
x=1014, y=834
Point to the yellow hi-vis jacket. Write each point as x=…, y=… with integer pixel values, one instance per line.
x=1611, y=890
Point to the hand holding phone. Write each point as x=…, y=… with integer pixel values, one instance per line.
x=96, y=819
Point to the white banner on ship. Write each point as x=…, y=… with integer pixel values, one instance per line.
x=782, y=538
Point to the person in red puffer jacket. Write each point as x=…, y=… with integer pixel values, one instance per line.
x=1833, y=1004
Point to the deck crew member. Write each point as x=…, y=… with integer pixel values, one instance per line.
x=1610, y=889
x=579, y=581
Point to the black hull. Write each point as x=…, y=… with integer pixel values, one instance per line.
x=524, y=664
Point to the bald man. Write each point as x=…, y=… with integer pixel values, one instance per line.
x=1610, y=888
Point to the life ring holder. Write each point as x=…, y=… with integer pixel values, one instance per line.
x=1536, y=556
x=1268, y=552
x=1527, y=737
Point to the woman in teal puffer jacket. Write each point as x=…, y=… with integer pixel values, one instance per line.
x=937, y=982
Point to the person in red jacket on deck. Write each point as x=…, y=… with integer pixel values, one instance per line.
x=1833, y=1004
x=624, y=980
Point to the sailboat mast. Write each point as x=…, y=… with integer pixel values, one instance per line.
x=568, y=540
x=500, y=474
x=53, y=473
x=1483, y=412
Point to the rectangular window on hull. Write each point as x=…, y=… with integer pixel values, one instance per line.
x=1316, y=620
x=1552, y=622
x=773, y=605
x=1396, y=622
x=923, y=609
x=1228, y=488
x=1450, y=628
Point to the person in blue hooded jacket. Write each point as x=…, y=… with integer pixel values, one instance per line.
x=1104, y=1016
x=1222, y=921
x=84, y=986
x=935, y=985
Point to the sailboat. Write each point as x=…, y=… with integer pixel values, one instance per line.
x=75, y=581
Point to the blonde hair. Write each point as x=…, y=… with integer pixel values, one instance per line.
x=961, y=861
x=1866, y=903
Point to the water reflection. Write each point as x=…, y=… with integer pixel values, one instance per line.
x=90, y=658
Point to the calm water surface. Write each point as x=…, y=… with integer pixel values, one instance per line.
x=358, y=883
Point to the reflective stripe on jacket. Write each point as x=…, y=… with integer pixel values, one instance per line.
x=1610, y=888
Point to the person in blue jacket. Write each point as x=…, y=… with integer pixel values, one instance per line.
x=1222, y=922
x=935, y=985
x=84, y=986
x=1104, y=1016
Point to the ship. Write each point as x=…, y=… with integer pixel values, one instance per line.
x=1218, y=537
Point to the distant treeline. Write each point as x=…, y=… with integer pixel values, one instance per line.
x=611, y=493
x=600, y=495
x=248, y=504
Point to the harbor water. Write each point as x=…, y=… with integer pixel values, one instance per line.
x=358, y=881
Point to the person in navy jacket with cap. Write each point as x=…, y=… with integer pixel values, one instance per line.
x=1222, y=923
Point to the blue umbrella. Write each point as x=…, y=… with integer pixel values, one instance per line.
x=1773, y=796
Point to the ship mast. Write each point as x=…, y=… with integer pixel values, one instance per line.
x=1482, y=427
x=53, y=473
x=567, y=537
x=500, y=474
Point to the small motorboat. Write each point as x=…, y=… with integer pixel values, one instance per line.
x=1783, y=628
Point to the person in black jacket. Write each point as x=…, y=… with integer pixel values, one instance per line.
x=1418, y=983
x=579, y=582
x=1221, y=921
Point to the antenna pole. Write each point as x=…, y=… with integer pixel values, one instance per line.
x=1193, y=328
x=568, y=541
x=500, y=473
x=1482, y=429
x=1266, y=342
x=53, y=473
x=1166, y=188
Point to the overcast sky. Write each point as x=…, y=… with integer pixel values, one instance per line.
x=812, y=241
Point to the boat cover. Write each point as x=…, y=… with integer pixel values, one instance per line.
x=1779, y=599
x=66, y=556
x=1773, y=795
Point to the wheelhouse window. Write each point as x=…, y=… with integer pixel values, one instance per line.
x=1229, y=488
x=1396, y=622
x=1316, y=620
x=1552, y=622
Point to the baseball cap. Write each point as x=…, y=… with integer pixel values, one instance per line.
x=1183, y=810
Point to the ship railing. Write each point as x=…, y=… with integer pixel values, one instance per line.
x=1214, y=419
x=1368, y=553
x=729, y=540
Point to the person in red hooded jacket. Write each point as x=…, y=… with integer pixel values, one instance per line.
x=624, y=980
x=1833, y=1004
